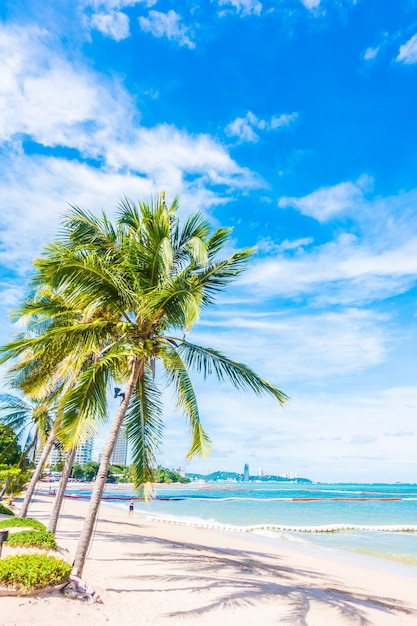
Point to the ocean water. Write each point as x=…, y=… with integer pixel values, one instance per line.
x=374, y=519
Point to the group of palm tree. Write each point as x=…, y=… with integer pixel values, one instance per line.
x=107, y=302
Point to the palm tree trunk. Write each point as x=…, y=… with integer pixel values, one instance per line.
x=36, y=474
x=5, y=487
x=90, y=519
x=59, y=498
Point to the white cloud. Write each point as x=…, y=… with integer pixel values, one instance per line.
x=361, y=439
x=328, y=202
x=244, y=127
x=268, y=246
x=60, y=106
x=345, y=270
x=322, y=453
x=408, y=51
x=244, y=7
x=371, y=53
x=167, y=25
x=300, y=346
x=108, y=17
x=114, y=24
x=114, y=5
x=52, y=101
x=285, y=119
x=311, y=4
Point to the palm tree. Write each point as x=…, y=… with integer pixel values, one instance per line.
x=31, y=418
x=41, y=364
x=142, y=282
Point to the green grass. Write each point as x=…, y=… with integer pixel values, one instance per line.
x=33, y=539
x=22, y=522
x=33, y=571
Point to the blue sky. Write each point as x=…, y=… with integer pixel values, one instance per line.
x=294, y=121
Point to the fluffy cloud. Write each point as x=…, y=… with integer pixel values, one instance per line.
x=299, y=345
x=371, y=53
x=375, y=263
x=408, y=51
x=244, y=7
x=107, y=17
x=53, y=102
x=114, y=24
x=328, y=202
x=96, y=146
x=345, y=270
x=244, y=127
x=167, y=25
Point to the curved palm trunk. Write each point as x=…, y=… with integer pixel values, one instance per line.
x=59, y=498
x=36, y=474
x=90, y=519
x=5, y=487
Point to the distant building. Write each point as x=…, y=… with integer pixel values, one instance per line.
x=82, y=456
x=56, y=455
x=119, y=455
x=84, y=452
x=246, y=472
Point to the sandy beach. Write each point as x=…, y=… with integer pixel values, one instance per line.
x=154, y=573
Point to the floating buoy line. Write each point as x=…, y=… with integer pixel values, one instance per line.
x=328, y=528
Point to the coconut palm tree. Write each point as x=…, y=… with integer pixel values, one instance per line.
x=31, y=418
x=142, y=282
x=40, y=365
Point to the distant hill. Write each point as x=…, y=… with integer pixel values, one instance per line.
x=219, y=475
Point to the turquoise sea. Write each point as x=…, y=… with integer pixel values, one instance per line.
x=375, y=519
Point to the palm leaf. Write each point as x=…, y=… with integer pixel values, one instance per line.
x=144, y=428
x=208, y=361
x=178, y=377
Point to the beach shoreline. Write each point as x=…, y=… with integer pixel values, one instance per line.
x=148, y=572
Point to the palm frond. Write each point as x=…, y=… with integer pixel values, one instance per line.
x=179, y=379
x=219, y=274
x=14, y=412
x=208, y=361
x=84, y=407
x=144, y=428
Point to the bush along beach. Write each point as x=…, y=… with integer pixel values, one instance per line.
x=33, y=571
x=22, y=522
x=42, y=539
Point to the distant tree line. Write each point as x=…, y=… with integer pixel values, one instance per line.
x=119, y=473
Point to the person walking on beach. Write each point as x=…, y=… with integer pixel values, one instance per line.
x=131, y=507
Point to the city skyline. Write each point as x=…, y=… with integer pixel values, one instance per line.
x=292, y=122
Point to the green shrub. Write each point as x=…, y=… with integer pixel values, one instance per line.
x=33, y=571
x=33, y=539
x=22, y=522
x=4, y=510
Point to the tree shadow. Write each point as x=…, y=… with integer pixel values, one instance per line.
x=239, y=579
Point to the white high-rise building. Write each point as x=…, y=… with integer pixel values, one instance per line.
x=82, y=456
x=84, y=452
x=119, y=456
